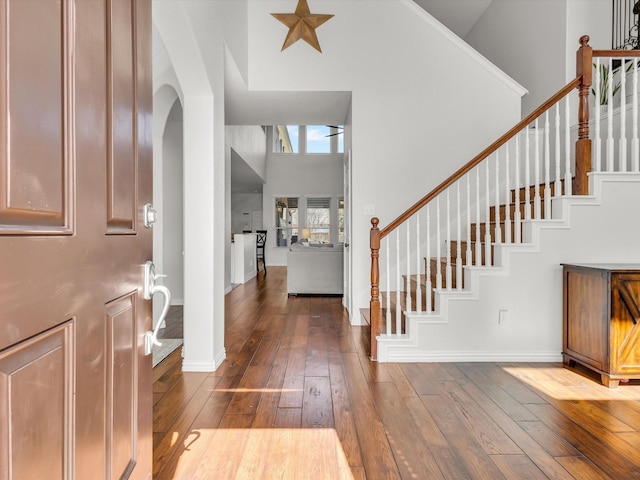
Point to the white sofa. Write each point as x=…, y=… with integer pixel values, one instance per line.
x=315, y=269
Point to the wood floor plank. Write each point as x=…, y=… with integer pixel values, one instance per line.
x=293, y=385
x=167, y=409
x=548, y=439
x=468, y=450
x=317, y=408
x=225, y=448
x=533, y=449
x=414, y=459
x=268, y=407
x=172, y=435
x=250, y=389
x=250, y=418
x=317, y=360
x=288, y=418
x=486, y=431
x=518, y=466
x=599, y=449
x=376, y=452
x=582, y=469
x=343, y=415
x=475, y=372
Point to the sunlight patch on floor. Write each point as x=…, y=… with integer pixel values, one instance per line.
x=283, y=453
x=564, y=384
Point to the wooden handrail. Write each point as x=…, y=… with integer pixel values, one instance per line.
x=478, y=158
x=616, y=53
x=583, y=81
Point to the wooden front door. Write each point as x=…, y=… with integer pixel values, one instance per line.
x=75, y=172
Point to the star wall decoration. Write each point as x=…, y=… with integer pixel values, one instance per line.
x=302, y=25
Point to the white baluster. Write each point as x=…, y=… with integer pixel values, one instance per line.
x=407, y=296
x=507, y=194
x=478, y=239
x=597, y=162
x=527, y=176
x=635, y=143
x=438, y=259
x=418, y=267
x=610, y=121
x=557, y=186
x=498, y=231
x=622, y=144
x=388, y=299
x=567, y=150
x=536, y=173
x=487, y=224
x=468, y=252
x=398, y=285
x=458, y=242
x=448, y=277
x=427, y=288
x=517, y=215
x=547, y=167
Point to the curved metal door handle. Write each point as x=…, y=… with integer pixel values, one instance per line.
x=150, y=288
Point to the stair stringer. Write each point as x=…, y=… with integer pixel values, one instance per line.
x=526, y=282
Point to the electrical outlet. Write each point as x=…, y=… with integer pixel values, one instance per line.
x=502, y=317
x=369, y=209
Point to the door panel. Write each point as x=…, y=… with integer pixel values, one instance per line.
x=92, y=185
x=122, y=134
x=121, y=381
x=35, y=406
x=34, y=183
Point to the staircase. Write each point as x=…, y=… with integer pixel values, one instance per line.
x=472, y=272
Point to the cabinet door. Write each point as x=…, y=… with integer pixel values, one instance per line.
x=625, y=323
x=586, y=331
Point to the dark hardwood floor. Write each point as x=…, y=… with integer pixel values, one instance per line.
x=298, y=398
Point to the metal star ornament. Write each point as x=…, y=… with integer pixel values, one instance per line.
x=302, y=25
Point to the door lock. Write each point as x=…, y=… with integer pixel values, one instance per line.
x=150, y=215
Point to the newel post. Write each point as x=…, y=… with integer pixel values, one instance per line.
x=584, y=59
x=374, y=304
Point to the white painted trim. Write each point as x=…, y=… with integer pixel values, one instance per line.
x=205, y=366
x=442, y=357
x=466, y=48
x=408, y=348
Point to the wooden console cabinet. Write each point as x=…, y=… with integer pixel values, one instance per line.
x=601, y=319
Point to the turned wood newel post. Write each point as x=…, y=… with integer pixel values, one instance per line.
x=583, y=144
x=374, y=304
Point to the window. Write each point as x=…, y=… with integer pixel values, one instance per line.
x=285, y=138
x=319, y=219
x=308, y=139
x=318, y=139
x=286, y=221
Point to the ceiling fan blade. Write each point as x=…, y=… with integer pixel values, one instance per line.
x=333, y=134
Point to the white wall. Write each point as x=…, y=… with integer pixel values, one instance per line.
x=242, y=204
x=535, y=41
x=296, y=175
x=411, y=87
x=184, y=27
x=172, y=212
x=250, y=142
x=528, y=284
